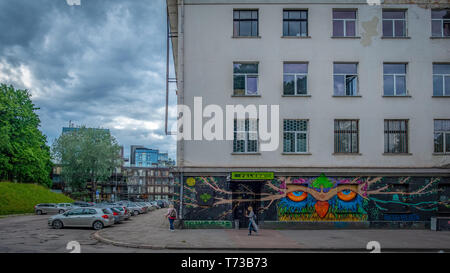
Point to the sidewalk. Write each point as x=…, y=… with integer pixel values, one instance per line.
x=151, y=231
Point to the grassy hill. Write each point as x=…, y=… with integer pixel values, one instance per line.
x=17, y=198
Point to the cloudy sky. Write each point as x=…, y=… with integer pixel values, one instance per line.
x=99, y=64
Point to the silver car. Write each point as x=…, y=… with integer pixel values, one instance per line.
x=97, y=218
x=46, y=208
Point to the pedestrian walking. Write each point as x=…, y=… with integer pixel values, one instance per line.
x=252, y=221
x=171, y=215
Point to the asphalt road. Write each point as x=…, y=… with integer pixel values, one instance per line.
x=31, y=234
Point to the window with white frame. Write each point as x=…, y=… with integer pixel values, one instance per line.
x=245, y=136
x=245, y=79
x=394, y=76
x=346, y=136
x=441, y=79
x=394, y=23
x=345, y=79
x=440, y=23
x=395, y=136
x=295, y=136
x=295, y=78
x=344, y=23
x=442, y=135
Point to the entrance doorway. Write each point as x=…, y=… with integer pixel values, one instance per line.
x=250, y=194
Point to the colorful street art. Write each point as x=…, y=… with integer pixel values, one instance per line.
x=319, y=198
x=322, y=199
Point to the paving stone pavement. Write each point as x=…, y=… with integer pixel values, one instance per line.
x=151, y=230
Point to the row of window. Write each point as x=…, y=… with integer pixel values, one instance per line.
x=346, y=136
x=295, y=23
x=345, y=79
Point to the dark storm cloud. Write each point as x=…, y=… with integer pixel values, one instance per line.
x=98, y=64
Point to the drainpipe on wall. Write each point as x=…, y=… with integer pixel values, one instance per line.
x=180, y=93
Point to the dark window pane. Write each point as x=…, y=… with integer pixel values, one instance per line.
x=389, y=85
x=441, y=68
x=447, y=85
x=343, y=68
x=394, y=68
x=304, y=14
x=400, y=83
x=350, y=87
x=285, y=15
x=254, y=28
x=400, y=28
x=254, y=14
x=289, y=142
x=387, y=28
x=236, y=14
x=294, y=14
x=245, y=68
x=301, y=143
x=338, y=28
x=301, y=85
x=295, y=68
x=447, y=142
x=446, y=28
x=350, y=28
x=285, y=28
x=436, y=28
x=294, y=28
x=339, y=88
x=393, y=14
x=344, y=14
x=245, y=14
x=289, y=88
x=440, y=14
x=438, y=88
x=439, y=142
x=303, y=29
x=239, y=85
x=245, y=28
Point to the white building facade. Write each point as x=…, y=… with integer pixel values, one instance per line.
x=364, y=111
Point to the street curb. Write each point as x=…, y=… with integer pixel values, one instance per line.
x=98, y=237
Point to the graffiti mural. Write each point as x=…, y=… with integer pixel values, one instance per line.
x=319, y=198
x=323, y=199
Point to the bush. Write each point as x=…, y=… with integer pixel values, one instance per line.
x=18, y=198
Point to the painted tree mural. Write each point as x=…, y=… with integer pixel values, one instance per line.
x=318, y=198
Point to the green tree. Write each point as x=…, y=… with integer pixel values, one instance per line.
x=24, y=154
x=86, y=155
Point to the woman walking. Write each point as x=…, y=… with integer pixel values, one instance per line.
x=171, y=215
x=252, y=221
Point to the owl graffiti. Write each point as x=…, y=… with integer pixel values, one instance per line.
x=322, y=199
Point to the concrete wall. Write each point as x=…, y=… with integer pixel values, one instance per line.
x=210, y=52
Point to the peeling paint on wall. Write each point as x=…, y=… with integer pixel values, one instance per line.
x=370, y=30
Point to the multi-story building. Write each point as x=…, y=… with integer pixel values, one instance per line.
x=145, y=157
x=149, y=183
x=364, y=110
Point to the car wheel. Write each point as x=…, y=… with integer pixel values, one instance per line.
x=61, y=211
x=57, y=224
x=39, y=212
x=97, y=225
x=136, y=212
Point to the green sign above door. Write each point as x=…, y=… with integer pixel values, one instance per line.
x=252, y=175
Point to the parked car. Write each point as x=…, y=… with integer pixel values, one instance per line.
x=63, y=207
x=83, y=204
x=116, y=213
x=134, y=209
x=97, y=218
x=124, y=211
x=46, y=208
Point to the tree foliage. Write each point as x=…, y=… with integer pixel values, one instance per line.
x=24, y=155
x=86, y=155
